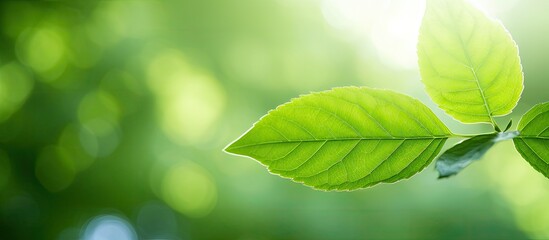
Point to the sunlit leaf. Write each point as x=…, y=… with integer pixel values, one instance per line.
x=468, y=62
x=533, y=141
x=464, y=153
x=345, y=138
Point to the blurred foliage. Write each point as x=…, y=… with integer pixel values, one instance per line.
x=113, y=115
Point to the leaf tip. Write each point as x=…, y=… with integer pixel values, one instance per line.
x=227, y=149
x=231, y=148
x=443, y=170
x=508, y=125
x=444, y=176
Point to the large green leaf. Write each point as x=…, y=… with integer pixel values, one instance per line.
x=533, y=141
x=468, y=62
x=464, y=153
x=346, y=138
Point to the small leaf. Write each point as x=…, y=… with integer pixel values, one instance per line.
x=508, y=125
x=533, y=141
x=468, y=62
x=345, y=138
x=464, y=153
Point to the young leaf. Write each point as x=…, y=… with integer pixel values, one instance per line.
x=468, y=62
x=345, y=139
x=508, y=125
x=533, y=141
x=464, y=153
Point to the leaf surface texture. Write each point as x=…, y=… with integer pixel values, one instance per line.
x=533, y=141
x=468, y=62
x=345, y=138
x=464, y=153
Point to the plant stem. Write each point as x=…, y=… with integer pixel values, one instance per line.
x=495, y=124
x=468, y=135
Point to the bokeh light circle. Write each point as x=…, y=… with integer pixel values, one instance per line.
x=189, y=189
x=109, y=227
x=54, y=170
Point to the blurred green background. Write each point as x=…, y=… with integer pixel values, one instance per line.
x=113, y=115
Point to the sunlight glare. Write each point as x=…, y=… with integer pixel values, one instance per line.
x=392, y=26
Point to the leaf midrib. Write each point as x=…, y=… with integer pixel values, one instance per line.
x=342, y=139
x=472, y=68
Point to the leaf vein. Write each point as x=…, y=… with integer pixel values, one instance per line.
x=363, y=110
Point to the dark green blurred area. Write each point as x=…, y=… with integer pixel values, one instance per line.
x=113, y=115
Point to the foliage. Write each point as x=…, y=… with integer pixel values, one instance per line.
x=351, y=138
x=469, y=63
x=472, y=149
x=533, y=141
x=399, y=135
x=113, y=115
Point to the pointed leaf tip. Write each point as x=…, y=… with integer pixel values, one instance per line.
x=508, y=125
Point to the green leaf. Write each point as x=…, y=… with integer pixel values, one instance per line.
x=345, y=139
x=533, y=141
x=508, y=125
x=464, y=153
x=468, y=62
